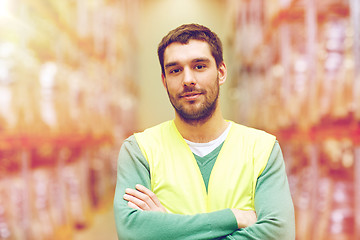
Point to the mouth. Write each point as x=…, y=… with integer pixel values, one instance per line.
x=190, y=96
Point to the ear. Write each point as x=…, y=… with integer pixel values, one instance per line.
x=222, y=73
x=163, y=79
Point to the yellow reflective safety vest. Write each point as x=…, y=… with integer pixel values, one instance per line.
x=176, y=178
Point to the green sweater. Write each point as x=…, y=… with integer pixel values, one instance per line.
x=273, y=204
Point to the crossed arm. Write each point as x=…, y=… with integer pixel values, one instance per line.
x=142, y=217
x=143, y=199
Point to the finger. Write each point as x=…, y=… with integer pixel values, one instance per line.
x=136, y=201
x=144, y=194
x=137, y=194
x=152, y=195
x=149, y=193
x=134, y=206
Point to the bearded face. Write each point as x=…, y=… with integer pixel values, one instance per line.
x=199, y=109
x=192, y=80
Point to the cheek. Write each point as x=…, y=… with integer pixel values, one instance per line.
x=212, y=81
x=172, y=88
x=208, y=78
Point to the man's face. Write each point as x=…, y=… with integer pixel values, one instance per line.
x=192, y=79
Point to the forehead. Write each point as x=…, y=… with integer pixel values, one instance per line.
x=178, y=52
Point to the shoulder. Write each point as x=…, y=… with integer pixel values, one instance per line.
x=259, y=142
x=130, y=145
x=276, y=159
x=155, y=134
x=155, y=129
x=252, y=133
x=151, y=138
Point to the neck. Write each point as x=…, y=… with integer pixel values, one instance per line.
x=202, y=131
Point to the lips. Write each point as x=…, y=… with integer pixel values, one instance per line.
x=190, y=95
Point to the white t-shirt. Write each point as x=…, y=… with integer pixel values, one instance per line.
x=203, y=149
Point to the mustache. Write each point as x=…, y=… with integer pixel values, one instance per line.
x=190, y=89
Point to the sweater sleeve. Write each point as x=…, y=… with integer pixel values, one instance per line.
x=133, y=169
x=273, y=204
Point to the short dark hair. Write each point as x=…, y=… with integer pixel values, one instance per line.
x=184, y=33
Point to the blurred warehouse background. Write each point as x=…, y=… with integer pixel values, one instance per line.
x=79, y=76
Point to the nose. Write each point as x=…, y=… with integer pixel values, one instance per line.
x=189, y=78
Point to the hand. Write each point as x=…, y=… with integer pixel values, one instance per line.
x=143, y=199
x=244, y=218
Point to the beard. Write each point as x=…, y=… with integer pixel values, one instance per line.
x=193, y=112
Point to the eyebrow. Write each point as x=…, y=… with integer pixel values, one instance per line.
x=171, y=64
x=196, y=60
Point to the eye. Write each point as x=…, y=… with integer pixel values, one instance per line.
x=200, y=67
x=174, y=71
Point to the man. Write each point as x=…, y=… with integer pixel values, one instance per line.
x=200, y=176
